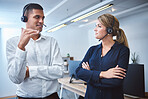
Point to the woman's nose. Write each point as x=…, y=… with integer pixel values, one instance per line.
x=95, y=29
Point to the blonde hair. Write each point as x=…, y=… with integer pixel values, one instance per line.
x=107, y=21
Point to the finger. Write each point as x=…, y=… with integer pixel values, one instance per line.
x=118, y=77
x=32, y=31
x=84, y=67
x=87, y=67
x=22, y=30
x=120, y=71
x=84, y=64
x=119, y=74
x=117, y=66
x=87, y=64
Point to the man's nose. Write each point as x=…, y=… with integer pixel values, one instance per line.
x=41, y=20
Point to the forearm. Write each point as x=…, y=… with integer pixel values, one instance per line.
x=46, y=72
x=89, y=76
x=16, y=63
x=17, y=72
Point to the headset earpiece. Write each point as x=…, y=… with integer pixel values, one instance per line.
x=24, y=18
x=110, y=29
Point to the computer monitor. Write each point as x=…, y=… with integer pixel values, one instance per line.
x=134, y=81
x=72, y=66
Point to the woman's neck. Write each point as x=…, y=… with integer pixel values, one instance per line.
x=108, y=42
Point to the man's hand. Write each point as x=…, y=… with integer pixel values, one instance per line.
x=27, y=73
x=116, y=72
x=85, y=65
x=26, y=34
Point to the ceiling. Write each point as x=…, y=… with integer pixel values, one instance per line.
x=56, y=11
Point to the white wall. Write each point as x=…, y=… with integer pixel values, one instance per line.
x=7, y=88
x=72, y=40
x=135, y=27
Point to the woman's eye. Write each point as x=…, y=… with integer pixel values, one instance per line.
x=99, y=26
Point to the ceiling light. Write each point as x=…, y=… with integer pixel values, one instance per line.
x=85, y=20
x=56, y=28
x=112, y=9
x=91, y=13
x=88, y=12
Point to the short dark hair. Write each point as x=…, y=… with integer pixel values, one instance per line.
x=29, y=7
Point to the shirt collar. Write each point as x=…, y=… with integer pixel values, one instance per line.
x=41, y=37
x=100, y=46
x=115, y=45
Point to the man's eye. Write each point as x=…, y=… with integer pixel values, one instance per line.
x=37, y=17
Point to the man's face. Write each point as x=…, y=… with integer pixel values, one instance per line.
x=35, y=20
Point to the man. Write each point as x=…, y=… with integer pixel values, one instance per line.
x=34, y=60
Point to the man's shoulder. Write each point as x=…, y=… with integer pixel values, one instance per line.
x=49, y=38
x=13, y=39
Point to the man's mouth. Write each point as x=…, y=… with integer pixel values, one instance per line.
x=39, y=26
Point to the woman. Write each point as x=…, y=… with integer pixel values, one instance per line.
x=104, y=65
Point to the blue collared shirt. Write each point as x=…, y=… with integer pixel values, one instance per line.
x=103, y=88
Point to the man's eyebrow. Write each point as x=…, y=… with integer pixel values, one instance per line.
x=36, y=15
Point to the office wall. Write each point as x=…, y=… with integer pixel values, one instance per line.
x=135, y=27
x=7, y=88
x=72, y=40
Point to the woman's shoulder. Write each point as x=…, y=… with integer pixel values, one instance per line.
x=122, y=47
x=94, y=47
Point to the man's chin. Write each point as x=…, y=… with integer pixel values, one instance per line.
x=39, y=29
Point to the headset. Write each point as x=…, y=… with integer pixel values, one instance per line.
x=109, y=30
x=24, y=18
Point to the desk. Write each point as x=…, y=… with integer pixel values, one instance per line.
x=77, y=86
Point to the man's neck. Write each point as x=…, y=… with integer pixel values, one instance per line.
x=36, y=37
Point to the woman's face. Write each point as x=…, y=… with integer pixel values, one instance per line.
x=100, y=30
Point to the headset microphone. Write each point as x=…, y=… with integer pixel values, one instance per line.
x=44, y=25
x=103, y=37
